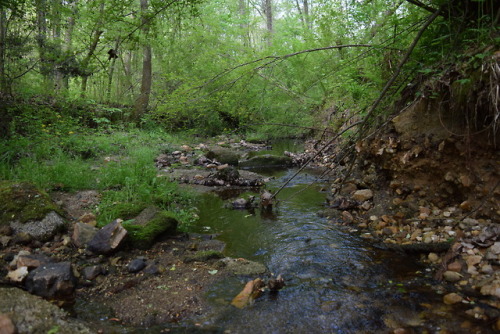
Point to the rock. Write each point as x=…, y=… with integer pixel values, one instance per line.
x=472, y=260
x=495, y=249
x=203, y=256
x=53, y=281
x=91, y=272
x=455, y=266
x=23, y=202
x=433, y=257
x=277, y=284
x=242, y=203
x=136, y=265
x=152, y=269
x=108, y=238
x=32, y=314
x=88, y=218
x=82, y=234
x=224, y=156
x=266, y=160
x=32, y=260
x=243, y=267
x=149, y=225
x=6, y=325
x=362, y=195
x=452, y=298
x=491, y=289
x=452, y=276
x=18, y=275
x=41, y=230
x=487, y=269
x=229, y=175
x=251, y=291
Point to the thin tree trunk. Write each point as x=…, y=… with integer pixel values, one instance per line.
x=243, y=9
x=3, y=46
x=86, y=61
x=142, y=101
x=268, y=12
x=68, y=39
x=46, y=67
x=111, y=72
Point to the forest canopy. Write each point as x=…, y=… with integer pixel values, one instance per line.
x=228, y=65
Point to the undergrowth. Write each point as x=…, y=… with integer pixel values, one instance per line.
x=117, y=163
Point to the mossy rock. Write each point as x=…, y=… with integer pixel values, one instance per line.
x=224, y=156
x=266, y=160
x=148, y=226
x=203, y=256
x=23, y=202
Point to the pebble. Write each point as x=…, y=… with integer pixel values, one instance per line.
x=6, y=325
x=455, y=266
x=452, y=298
x=362, y=195
x=452, y=276
x=433, y=257
x=136, y=265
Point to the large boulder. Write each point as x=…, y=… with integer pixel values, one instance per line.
x=267, y=160
x=28, y=211
x=149, y=225
x=33, y=315
x=53, y=281
x=223, y=155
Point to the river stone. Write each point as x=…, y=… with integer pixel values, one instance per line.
x=18, y=275
x=149, y=225
x=82, y=234
x=267, y=160
x=224, y=156
x=31, y=314
x=22, y=202
x=452, y=276
x=108, y=238
x=53, y=281
x=91, y=272
x=452, y=298
x=362, y=195
x=32, y=260
x=136, y=265
x=6, y=325
x=40, y=230
x=243, y=267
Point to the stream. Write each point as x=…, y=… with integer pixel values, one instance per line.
x=336, y=282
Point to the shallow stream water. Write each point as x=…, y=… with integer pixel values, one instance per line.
x=336, y=282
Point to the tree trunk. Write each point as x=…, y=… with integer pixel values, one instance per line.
x=86, y=61
x=3, y=46
x=68, y=39
x=243, y=10
x=142, y=101
x=268, y=12
x=111, y=72
x=46, y=66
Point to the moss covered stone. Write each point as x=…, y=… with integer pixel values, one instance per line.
x=203, y=256
x=22, y=202
x=149, y=225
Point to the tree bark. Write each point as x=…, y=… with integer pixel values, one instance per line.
x=68, y=39
x=46, y=67
x=95, y=41
x=268, y=12
x=142, y=101
x=3, y=46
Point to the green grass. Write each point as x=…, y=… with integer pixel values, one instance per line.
x=120, y=164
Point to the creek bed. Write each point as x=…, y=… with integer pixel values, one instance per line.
x=335, y=281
